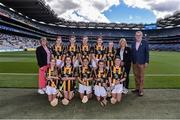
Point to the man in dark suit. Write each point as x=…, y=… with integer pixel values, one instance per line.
x=140, y=59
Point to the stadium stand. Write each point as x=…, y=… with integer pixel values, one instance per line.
x=29, y=20
x=9, y=42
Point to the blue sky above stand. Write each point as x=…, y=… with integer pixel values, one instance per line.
x=118, y=11
x=124, y=14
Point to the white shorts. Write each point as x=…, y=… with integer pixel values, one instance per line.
x=117, y=88
x=100, y=91
x=50, y=90
x=94, y=64
x=83, y=88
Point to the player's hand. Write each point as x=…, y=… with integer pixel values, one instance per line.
x=64, y=79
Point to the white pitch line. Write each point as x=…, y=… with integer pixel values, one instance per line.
x=34, y=74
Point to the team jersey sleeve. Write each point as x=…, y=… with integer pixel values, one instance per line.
x=106, y=51
x=92, y=72
x=124, y=75
x=47, y=73
x=76, y=72
x=78, y=50
x=109, y=73
x=66, y=50
x=60, y=72
x=63, y=49
x=114, y=54
x=53, y=51
x=92, y=50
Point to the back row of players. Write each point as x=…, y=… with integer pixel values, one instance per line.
x=97, y=69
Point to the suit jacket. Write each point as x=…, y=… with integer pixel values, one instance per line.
x=41, y=56
x=126, y=55
x=140, y=56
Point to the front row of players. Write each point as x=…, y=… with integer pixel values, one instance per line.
x=101, y=81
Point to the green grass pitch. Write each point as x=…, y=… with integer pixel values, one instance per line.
x=162, y=72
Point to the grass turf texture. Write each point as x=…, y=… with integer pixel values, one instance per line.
x=25, y=62
x=27, y=104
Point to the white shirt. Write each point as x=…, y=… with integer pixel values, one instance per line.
x=137, y=45
x=121, y=53
x=48, y=54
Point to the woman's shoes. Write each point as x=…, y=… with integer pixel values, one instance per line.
x=135, y=91
x=41, y=91
x=138, y=92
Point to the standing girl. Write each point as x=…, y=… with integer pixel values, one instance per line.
x=58, y=51
x=98, y=52
x=72, y=51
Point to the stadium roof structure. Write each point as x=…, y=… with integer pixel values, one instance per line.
x=38, y=11
x=73, y=24
x=34, y=9
x=170, y=21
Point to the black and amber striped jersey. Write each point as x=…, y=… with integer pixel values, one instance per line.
x=68, y=72
x=117, y=73
x=102, y=76
x=72, y=50
x=52, y=73
x=86, y=73
x=110, y=56
x=58, y=51
x=98, y=51
x=85, y=51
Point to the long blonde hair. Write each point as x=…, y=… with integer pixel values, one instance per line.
x=122, y=40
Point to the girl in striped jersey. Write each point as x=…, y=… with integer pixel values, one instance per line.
x=58, y=51
x=98, y=52
x=110, y=54
x=84, y=50
x=72, y=50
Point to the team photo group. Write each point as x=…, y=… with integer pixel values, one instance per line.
x=95, y=70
